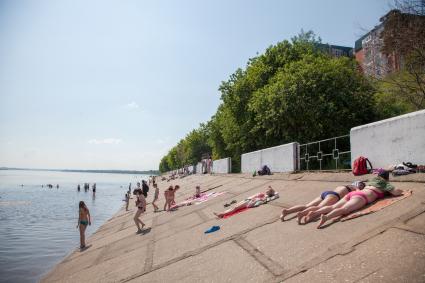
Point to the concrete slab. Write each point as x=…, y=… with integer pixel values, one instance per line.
x=114, y=270
x=195, y=239
x=223, y=263
x=251, y=245
x=394, y=256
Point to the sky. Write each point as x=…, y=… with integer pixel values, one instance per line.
x=105, y=84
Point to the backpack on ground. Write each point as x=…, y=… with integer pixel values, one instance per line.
x=360, y=166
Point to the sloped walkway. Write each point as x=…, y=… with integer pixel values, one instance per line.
x=255, y=246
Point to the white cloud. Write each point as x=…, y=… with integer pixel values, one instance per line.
x=132, y=105
x=105, y=141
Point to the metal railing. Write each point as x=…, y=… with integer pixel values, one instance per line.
x=328, y=154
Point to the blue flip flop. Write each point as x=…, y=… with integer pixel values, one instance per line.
x=212, y=229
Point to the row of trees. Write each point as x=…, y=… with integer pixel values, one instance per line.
x=292, y=92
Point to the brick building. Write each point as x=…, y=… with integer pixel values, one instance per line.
x=367, y=51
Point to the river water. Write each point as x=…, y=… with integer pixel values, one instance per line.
x=38, y=224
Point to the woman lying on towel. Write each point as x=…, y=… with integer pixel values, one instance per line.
x=325, y=198
x=251, y=201
x=375, y=189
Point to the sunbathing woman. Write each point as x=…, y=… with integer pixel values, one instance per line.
x=326, y=198
x=377, y=188
x=249, y=202
x=83, y=221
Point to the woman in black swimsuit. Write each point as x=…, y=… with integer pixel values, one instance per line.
x=141, y=207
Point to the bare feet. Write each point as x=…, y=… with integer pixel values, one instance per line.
x=282, y=216
x=219, y=215
x=323, y=219
x=300, y=216
x=309, y=217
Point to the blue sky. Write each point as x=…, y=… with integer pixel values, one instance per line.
x=115, y=84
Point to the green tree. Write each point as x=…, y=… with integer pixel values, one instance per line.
x=313, y=98
x=163, y=165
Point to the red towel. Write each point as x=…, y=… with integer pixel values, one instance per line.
x=227, y=215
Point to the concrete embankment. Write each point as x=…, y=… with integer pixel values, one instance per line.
x=255, y=246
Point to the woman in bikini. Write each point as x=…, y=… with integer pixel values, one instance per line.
x=249, y=202
x=377, y=188
x=326, y=198
x=141, y=207
x=83, y=221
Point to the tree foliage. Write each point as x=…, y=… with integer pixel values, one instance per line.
x=404, y=38
x=292, y=92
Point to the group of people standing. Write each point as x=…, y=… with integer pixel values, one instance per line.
x=86, y=187
x=141, y=193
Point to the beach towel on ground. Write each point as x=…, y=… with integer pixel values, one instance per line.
x=255, y=205
x=197, y=200
x=235, y=212
x=376, y=206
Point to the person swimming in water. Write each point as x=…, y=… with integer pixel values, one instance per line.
x=83, y=221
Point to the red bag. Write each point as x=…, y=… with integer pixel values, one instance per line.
x=360, y=166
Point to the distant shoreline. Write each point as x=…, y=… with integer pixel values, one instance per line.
x=148, y=172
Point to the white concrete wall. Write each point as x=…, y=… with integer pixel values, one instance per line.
x=190, y=168
x=282, y=158
x=391, y=141
x=222, y=166
x=199, y=168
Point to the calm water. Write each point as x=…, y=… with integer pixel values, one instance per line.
x=38, y=225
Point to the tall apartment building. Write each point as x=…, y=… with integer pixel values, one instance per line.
x=368, y=53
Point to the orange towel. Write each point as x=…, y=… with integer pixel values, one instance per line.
x=376, y=206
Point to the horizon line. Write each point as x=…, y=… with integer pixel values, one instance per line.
x=122, y=171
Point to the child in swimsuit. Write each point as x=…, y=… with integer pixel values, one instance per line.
x=155, y=198
x=141, y=207
x=83, y=221
x=169, y=197
x=197, y=191
x=326, y=198
x=127, y=201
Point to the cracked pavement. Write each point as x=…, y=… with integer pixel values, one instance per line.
x=255, y=246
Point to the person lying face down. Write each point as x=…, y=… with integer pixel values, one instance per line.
x=376, y=188
x=326, y=198
x=248, y=202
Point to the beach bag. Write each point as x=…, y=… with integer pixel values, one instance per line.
x=360, y=166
